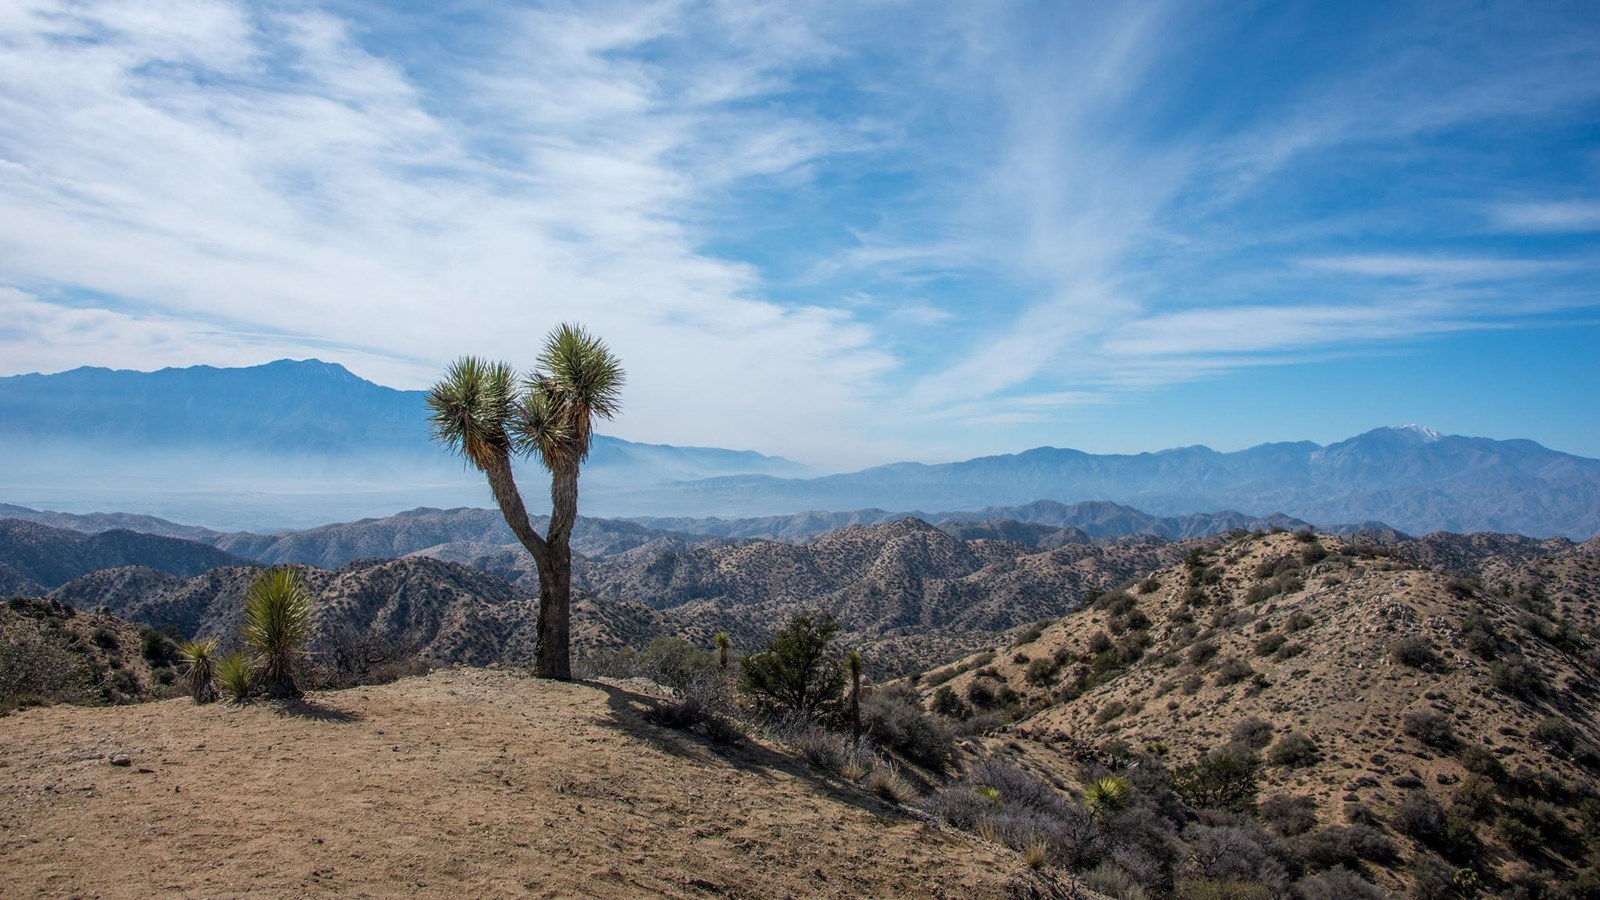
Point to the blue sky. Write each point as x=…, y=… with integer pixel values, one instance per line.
x=846, y=233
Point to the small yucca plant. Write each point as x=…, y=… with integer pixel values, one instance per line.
x=277, y=623
x=724, y=644
x=236, y=676
x=1108, y=793
x=201, y=657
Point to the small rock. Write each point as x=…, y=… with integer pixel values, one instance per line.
x=121, y=759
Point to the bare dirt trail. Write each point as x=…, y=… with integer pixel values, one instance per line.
x=464, y=783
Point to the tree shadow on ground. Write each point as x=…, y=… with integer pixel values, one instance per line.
x=316, y=712
x=627, y=714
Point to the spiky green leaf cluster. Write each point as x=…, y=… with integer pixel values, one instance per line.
x=202, y=668
x=278, y=624
x=1108, y=793
x=481, y=410
x=236, y=676
x=472, y=406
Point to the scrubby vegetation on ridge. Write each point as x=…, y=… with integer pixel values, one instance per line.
x=1305, y=716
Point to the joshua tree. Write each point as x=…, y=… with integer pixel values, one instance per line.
x=277, y=623
x=201, y=657
x=482, y=411
x=724, y=644
x=852, y=667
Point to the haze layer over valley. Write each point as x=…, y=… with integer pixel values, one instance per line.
x=293, y=444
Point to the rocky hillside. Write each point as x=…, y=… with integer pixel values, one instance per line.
x=435, y=611
x=49, y=557
x=1450, y=709
x=905, y=590
x=52, y=653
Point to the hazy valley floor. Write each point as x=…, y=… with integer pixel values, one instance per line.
x=464, y=783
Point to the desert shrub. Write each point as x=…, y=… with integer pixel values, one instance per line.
x=119, y=684
x=1006, y=804
x=1478, y=632
x=1337, y=883
x=1099, y=643
x=1516, y=675
x=236, y=677
x=1133, y=620
x=1543, y=817
x=278, y=624
x=684, y=713
x=980, y=695
x=895, y=719
x=1109, y=711
x=1294, y=750
x=1312, y=553
x=1232, y=670
x=887, y=782
x=1286, y=815
x=1206, y=889
x=1112, y=880
x=1516, y=834
x=1556, y=732
x=37, y=666
x=1475, y=799
x=157, y=648
x=1299, y=621
x=979, y=724
x=822, y=748
x=347, y=657
x=947, y=704
x=1359, y=813
x=1269, y=644
x=1480, y=761
x=1201, y=653
x=1290, y=650
x=676, y=663
x=1430, y=727
x=962, y=805
x=1232, y=855
x=1415, y=651
x=798, y=671
x=1421, y=817
x=1041, y=672
x=1254, y=732
x=1224, y=778
x=1345, y=845
x=1433, y=879
x=1032, y=632
x=105, y=638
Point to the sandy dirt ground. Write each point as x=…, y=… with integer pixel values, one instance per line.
x=464, y=783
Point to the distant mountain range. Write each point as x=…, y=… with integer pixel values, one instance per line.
x=289, y=442
x=1409, y=477
x=302, y=442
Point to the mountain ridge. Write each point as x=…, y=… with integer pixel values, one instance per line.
x=322, y=438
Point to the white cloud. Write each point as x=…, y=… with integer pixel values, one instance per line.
x=261, y=168
x=1570, y=217
x=1058, y=223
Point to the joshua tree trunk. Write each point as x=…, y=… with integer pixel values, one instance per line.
x=555, y=594
x=552, y=556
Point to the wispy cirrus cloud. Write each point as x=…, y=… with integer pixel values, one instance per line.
x=830, y=230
